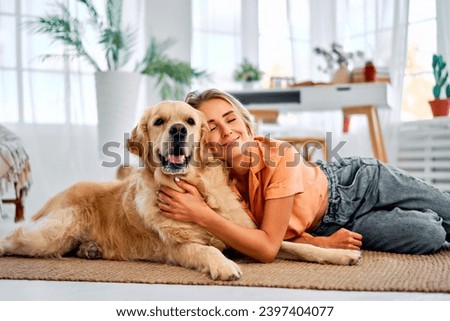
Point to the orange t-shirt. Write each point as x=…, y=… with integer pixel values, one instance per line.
x=277, y=170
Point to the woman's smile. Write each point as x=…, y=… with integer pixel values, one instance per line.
x=230, y=142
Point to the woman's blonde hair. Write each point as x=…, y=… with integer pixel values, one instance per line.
x=196, y=98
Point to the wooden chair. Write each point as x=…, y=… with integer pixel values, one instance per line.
x=305, y=145
x=18, y=203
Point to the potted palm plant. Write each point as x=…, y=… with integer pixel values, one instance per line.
x=117, y=90
x=440, y=107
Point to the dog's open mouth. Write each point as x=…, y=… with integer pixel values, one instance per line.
x=175, y=161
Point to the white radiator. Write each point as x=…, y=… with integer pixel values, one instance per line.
x=424, y=150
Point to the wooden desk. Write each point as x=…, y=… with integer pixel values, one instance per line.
x=358, y=98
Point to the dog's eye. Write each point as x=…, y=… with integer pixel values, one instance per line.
x=191, y=121
x=158, y=122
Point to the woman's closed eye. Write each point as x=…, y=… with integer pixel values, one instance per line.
x=213, y=126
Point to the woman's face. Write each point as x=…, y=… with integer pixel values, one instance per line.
x=227, y=130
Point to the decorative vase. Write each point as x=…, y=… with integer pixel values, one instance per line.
x=370, y=72
x=342, y=75
x=440, y=107
x=117, y=94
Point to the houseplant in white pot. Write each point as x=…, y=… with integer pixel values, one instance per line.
x=247, y=73
x=440, y=107
x=116, y=88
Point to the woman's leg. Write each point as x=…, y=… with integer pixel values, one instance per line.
x=398, y=189
x=401, y=231
x=386, y=206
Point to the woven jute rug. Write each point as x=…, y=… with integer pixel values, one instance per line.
x=376, y=272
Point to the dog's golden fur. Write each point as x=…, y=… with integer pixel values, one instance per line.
x=120, y=220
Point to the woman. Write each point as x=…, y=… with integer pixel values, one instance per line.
x=354, y=203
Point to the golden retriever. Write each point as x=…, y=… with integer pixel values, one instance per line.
x=120, y=220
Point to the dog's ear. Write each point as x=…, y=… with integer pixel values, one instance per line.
x=139, y=137
x=136, y=142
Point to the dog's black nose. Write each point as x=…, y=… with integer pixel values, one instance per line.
x=178, y=131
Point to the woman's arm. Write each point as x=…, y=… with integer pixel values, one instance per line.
x=341, y=239
x=261, y=244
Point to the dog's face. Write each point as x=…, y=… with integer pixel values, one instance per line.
x=168, y=137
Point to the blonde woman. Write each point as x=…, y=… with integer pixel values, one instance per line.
x=355, y=203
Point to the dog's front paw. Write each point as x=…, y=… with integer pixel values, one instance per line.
x=345, y=257
x=90, y=250
x=226, y=270
x=353, y=257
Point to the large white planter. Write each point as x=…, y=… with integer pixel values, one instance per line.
x=117, y=95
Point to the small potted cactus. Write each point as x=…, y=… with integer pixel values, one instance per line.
x=440, y=107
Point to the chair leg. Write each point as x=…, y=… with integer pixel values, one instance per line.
x=18, y=203
x=19, y=208
x=19, y=212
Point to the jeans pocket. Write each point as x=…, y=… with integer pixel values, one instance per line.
x=350, y=173
x=357, y=187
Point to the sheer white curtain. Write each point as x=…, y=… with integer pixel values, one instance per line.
x=390, y=21
x=395, y=48
x=310, y=24
x=377, y=27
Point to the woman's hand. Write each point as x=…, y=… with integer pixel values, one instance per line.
x=189, y=206
x=261, y=244
x=341, y=239
x=344, y=239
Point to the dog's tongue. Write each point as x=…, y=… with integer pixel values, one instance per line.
x=176, y=159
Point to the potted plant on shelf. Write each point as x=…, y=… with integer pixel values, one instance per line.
x=116, y=89
x=440, y=107
x=247, y=73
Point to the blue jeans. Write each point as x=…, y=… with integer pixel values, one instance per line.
x=393, y=211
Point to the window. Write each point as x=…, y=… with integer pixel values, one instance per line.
x=369, y=29
x=422, y=44
x=216, y=38
x=284, y=39
x=9, y=95
x=53, y=91
x=284, y=48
